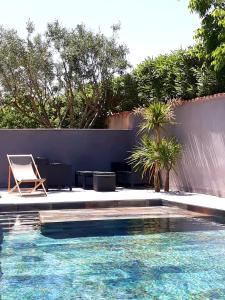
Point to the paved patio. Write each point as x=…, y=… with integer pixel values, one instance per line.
x=122, y=195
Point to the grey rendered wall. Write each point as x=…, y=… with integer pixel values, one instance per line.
x=201, y=130
x=84, y=149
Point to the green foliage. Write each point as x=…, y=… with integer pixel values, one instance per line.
x=201, y=6
x=144, y=156
x=11, y=118
x=75, y=77
x=179, y=75
x=61, y=78
x=169, y=151
x=207, y=82
x=156, y=116
x=167, y=76
x=157, y=153
x=182, y=74
x=149, y=152
x=90, y=62
x=123, y=93
x=211, y=36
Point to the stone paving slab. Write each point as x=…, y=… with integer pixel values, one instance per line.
x=61, y=216
x=79, y=195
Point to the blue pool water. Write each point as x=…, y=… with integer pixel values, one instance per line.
x=165, y=259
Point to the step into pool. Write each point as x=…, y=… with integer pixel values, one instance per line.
x=140, y=259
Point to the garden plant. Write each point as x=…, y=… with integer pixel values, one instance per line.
x=155, y=152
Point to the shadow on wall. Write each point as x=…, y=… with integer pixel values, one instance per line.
x=202, y=167
x=201, y=130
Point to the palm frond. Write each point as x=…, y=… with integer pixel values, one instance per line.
x=157, y=115
x=169, y=152
x=149, y=152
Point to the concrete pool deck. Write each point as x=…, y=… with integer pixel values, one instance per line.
x=80, y=198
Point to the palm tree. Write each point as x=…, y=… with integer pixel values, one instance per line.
x=155, y=118
x=169, y=151
x=144, y=156
x=149, y=154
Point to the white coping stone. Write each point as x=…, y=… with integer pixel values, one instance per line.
x=80, y=195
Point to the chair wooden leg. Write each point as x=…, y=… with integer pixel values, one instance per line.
x=9, y=179
x=16, y=187
x=37, y=184
x=43, y=186
x=40, y=183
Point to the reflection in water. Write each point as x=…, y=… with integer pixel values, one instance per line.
x=129, y=227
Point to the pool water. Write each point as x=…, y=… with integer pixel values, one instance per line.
x=127, y=259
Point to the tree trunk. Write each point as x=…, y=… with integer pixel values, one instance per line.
x=167, y=181
x=156, y=173
x=156, y=179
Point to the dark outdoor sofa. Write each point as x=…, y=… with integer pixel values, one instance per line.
x=125, y=176
x=58, y=175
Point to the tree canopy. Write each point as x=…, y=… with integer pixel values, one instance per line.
x=75, y=77
x=211, y=36
x=61, y=78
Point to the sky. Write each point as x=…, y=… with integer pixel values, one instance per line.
x=148, y=27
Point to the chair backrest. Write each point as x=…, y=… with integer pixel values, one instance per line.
x=120, y=166
x=41, y=161
x=22, y=166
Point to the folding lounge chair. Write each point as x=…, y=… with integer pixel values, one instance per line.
x=24, y=171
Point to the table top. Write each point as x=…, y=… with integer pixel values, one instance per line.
x=94, y=172
x=84, y=172
x=103, y=173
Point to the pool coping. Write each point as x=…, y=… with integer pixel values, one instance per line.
x=125, y=197
x=196, y=208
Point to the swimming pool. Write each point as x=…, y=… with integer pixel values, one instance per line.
x=125, y=259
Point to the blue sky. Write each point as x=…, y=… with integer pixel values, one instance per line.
x=148, y=27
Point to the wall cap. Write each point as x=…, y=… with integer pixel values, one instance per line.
x=180, y=102
x=61, y=130
x=175, y=103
